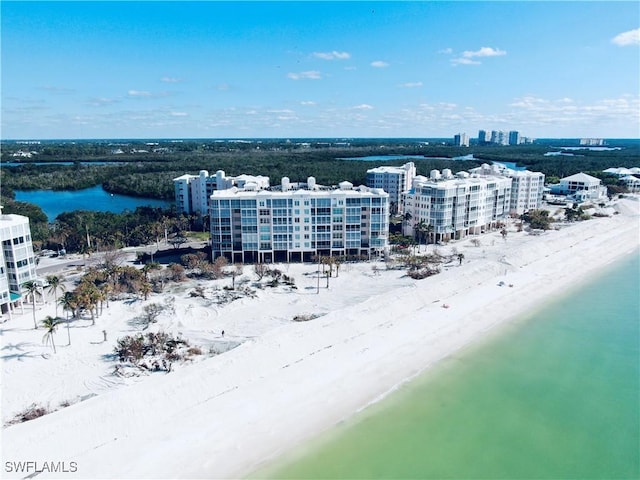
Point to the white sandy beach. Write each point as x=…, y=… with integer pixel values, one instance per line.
x=224, y=416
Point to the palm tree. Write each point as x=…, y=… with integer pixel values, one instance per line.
x=89, y=297
x=50, y=324
x=54, y=284
x=32, y=289
x=429, y=233
x=105, y=290
x=421, y=229
x=406, y=218
x=69, y=302
x=145, y=289
x=149, y=267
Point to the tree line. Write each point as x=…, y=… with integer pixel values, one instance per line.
x=152, y=175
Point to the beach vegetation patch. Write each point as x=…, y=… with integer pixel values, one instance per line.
x=538, y=219
x=153, y=351
x=30, y=413
x=305, y=317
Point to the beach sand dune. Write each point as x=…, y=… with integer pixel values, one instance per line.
x=224, y=416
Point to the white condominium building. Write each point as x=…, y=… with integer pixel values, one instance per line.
x=527, y=187
x=294, y=222
x=193, y=191
x=456, y=206
x=17, y=262
x=394, y=181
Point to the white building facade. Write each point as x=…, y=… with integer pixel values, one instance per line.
x=527, y=188
x=461, y=140
x=580, y=187
x=454, y=206
x=192, y=192
x=394, y=181
x=296, y=222
x=17, y=261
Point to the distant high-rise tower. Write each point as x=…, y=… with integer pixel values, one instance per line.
x=482, y=137
x=514, y=137
x=461, y=140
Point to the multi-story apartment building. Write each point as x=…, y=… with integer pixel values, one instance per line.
x=592, y=142
x=514, y=137
x=17, y=261
x=527, y=188
x=192, y=192
x=295, y=222
x=461, y=140
x=454, y=206
x=482, y=137
x=394, y=181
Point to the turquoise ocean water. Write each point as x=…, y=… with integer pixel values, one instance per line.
x=555, y=395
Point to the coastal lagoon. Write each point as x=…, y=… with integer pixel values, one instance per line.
x=389, y=158
x=553, y=395
x=95, y=198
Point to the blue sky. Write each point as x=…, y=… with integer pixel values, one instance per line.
x=319, y=69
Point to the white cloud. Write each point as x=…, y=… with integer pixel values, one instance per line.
x=379, y=64
x=146, y=94
x=308, y=103
x=464, y=61
x=101, y=101
x=311, y=75
x=179, y=114
x=170, y=80
x=468, y=55
x=57, y=90
x=540, y=112
x=139, y=93
x=410, y=84
x=484, y=52
x=446, y=51
x=284, y=110
x=332, y=55
x=363, y=106
x=632, y=37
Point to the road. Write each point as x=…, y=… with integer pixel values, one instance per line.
x=76, y=262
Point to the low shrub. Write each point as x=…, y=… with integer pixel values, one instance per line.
x=153, y=351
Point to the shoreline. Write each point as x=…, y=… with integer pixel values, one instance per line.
x=232, y=415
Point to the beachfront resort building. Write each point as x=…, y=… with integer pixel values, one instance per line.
x=632, y=183
x=629, y=177
x=580, y=187
x=17, y=261
x=297, y=221
x=454, y=206
x=192, y=192
x=394, y=181
x=527, y=188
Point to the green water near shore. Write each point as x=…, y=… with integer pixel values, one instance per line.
x=555, y=395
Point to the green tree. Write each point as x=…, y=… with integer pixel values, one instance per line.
x=50, y=324
x=32, y=289
x=537, y=219
x=55, y=284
